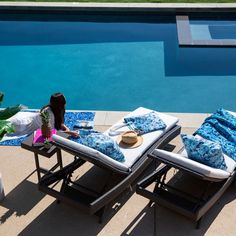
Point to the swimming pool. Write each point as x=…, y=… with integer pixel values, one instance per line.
x=111, y=63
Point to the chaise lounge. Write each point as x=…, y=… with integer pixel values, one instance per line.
x=205, y=184
x=125, y=173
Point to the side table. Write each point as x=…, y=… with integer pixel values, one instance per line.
x=28, y=145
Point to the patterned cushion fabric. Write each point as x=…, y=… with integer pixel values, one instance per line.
x=204, y=151
x=221, y=127
x=102, y=143
x=145, y=123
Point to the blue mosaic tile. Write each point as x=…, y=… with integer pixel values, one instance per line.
x=72, y=117
x=13, y=142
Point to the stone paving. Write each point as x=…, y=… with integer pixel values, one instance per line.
x=26, y=211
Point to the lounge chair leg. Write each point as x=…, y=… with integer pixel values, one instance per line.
x=159, y=181
x=131, y=188
x=100, y=214
x=65, y=182
x=155, y=220
x=198, y=223
x=100, y=219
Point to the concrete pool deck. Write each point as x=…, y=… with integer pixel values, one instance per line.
x=26, y=211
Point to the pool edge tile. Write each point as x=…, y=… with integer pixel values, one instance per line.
x=190, y=120
x=100, y=117
x=108, y=118
x=114, y=116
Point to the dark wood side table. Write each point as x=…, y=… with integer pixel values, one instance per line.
x=28, y=145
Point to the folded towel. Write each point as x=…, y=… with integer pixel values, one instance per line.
x=145, y=123
x=84, y=124
x=221, y=127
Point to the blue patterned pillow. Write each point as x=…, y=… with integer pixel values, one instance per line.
x=102, y=143
x=204, y=151
x=145, y=123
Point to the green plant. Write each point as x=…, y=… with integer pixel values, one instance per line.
x=5, y=126
x=47, y=143
x=1, y=97
x=10, y=111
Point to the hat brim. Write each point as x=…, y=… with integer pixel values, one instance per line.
x=126, y=145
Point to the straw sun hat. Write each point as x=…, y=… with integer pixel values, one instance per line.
x=129, y=139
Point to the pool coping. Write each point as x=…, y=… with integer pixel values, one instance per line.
x=121, y=7
x=187, y=120
x=108, y=118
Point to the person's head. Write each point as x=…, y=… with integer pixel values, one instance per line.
x=58, y=101
x=57, y=104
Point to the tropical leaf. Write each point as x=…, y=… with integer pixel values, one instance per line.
x=1, y=97
x=5, y=128
x=10, y=111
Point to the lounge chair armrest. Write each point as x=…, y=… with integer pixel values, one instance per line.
x=181, y=162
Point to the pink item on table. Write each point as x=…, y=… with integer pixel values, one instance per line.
x=38, y=137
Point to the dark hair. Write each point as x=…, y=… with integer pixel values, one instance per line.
x=57, y=104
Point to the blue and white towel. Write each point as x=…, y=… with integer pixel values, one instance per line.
x=70, y=119
x=221, y=127
x=145, y=123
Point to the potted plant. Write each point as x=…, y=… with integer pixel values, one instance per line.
x=46, y=125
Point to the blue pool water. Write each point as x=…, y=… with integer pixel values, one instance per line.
x=213, y=29
x=111, y=64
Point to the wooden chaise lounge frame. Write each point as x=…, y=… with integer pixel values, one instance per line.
x=178, y=200
x=87, y=200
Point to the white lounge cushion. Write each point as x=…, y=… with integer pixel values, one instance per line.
x=131, y=155
x=230, y=163
x=89, y=151
x=184, y=161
